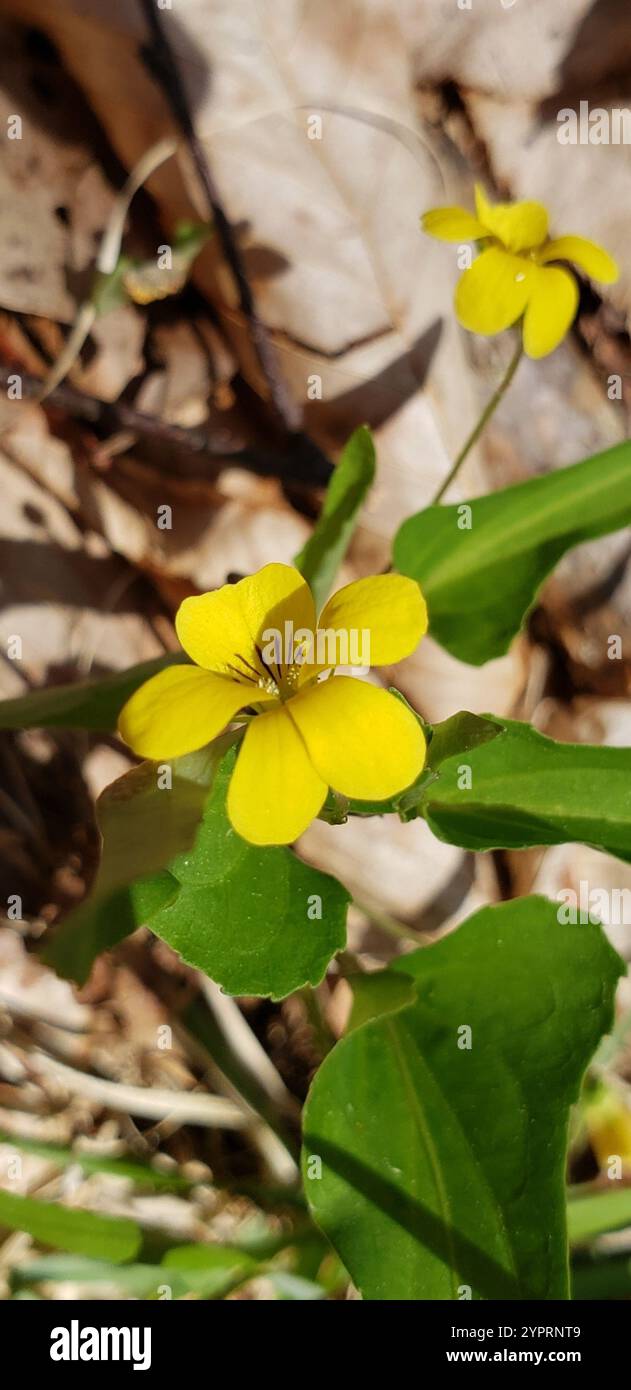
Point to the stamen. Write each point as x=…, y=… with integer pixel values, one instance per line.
x=266, y=682
x=255, y=673
x=273, y=675
x=243, y=676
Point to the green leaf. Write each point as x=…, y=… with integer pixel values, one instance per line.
x=84, y=705
x=481, y=581
x=527, y=790
x=66, y=1228
x=246, y=916
x=249, y=916
x=452, y=738
x=596, y=1213
x=210, y=1277
x=143, y=826
x=189, y=237
x=138, y=1280
x=108, y=290
x=377, y=993
x=142, y=1174
x=601, y=1276
x=443, y=1165
x=209, y=1270
x=459, y=734
x=321, y=557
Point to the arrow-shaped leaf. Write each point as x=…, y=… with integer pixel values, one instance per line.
x=480, y=563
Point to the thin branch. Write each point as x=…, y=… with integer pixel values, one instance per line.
x=292, y=464
x=278, y=1144
x=246, y=1048
x=187, y=1107
x=162, y=64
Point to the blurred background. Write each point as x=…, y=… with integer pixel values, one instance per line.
x=311, y=135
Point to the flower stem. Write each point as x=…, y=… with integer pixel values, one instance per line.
x=389, y=924
x=323, y=1035
x=484, y=418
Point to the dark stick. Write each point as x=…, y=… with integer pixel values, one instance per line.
x=164, y=68
x=295, y=464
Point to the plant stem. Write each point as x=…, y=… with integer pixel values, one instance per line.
x=323, y=1036
x=389, y=924
x=484, y=418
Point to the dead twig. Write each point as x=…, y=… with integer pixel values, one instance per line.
x=303, y=465
x=310, y=462
x=188, y=1107
x=163, y=67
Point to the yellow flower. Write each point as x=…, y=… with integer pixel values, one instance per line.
x=512, y=276
x=608, y=1124
x=258, y=649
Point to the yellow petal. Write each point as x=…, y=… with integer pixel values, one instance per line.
x=388, y=607
x=364, y=742
x=551, y=309
x=180, y=710
x=608, y=1124
x=587, y=255
x=212, y=630
x=222, y=630
x=275, y=595
x=493, y=293
x=452, y=224
x=275, y=791
x=519, y=226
